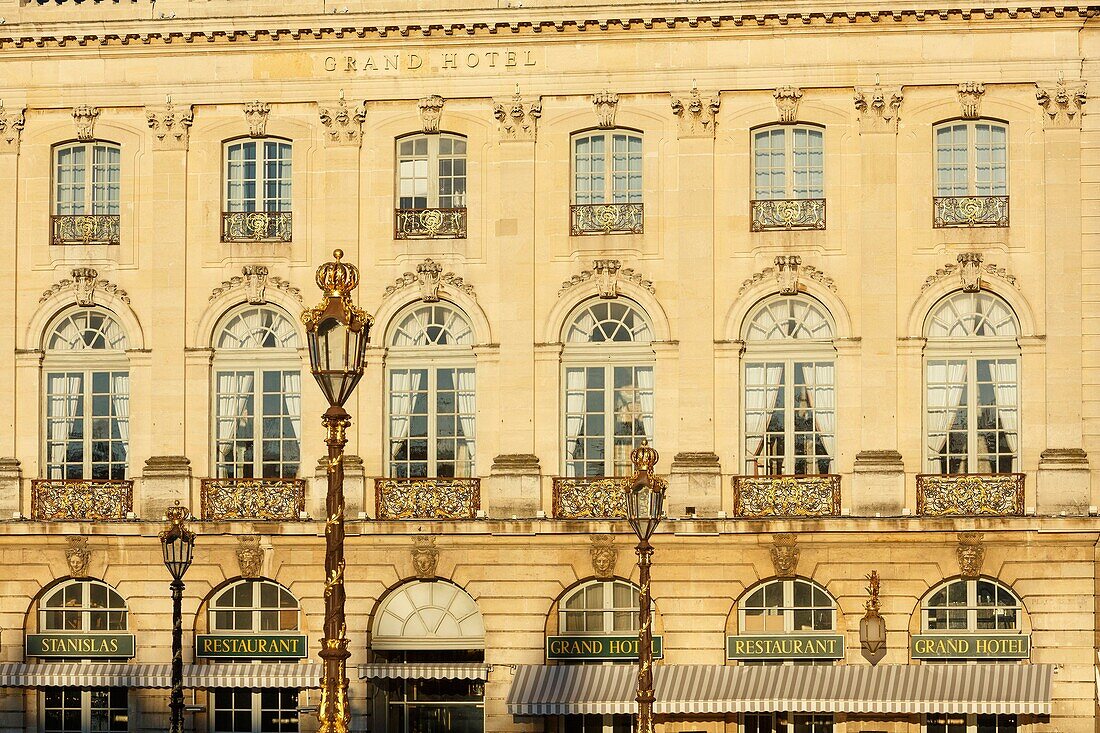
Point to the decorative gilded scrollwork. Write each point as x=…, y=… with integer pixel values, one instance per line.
x=85, y=229
x=606, y=219
x=990, y=494
x=589, y=498
x=253, y=498
x=787, y=496
x=969, y=211
x=429, y=224
x=787, y=214
x=427, y=498
x=256, y=226
x=81, y=499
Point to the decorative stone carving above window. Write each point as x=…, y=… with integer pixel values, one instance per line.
x=255, y=113
x=606, y=104
x=608, y=274
x=970, y=99
x=785, y=552
x=431, y=112
x=697, y=114
x=517, y=118
x=11, y=128
x=786, y=101
x=84, y=282
x=250, y=556
x=604, y=556
x=85, y=117
x=78, y=556
x=425, y=557
x=171, y=125
x=255, y=279
x=878, y=108
x=1062, y=103
x=343, y=124
x=970, y=553
x=431, y=279
x=788, y=272
x=970, y=270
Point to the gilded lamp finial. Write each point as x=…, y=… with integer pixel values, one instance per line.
x=644, y=457
x=337, y=279
x=873, y=604
x=176, y=514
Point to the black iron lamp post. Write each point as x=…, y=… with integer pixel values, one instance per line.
x=337, y=333
x=645, y=499
x=178, y=544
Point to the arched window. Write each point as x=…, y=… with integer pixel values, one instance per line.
x=971, y=158
x=790, y=388
x=87, y=381
x=257, y=182
x=82, y=606
x=972, y=385
x=600, y=607
x=789, y=163
x=431, y=393
x=86, y=192
x=258, y=394
x=608, y=371
x=971, y=604
x=787, y=605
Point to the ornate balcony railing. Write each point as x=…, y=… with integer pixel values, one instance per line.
x=429, y=223
x=84, y=229
x=427, y=498
x=253, y=498
x=596, y=497
x=787, y=496
x=787, y=214
x=256, y=226
x=969, y=211
x=606, y=219
x=81, y=499
x=970, y=494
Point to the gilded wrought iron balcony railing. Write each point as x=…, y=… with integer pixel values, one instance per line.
x=787, y=496
x=787, y=214
x=253, y=498
x=427, y=498
x=84, y=229
x=256, y=226
x=589, y=497
x=81, y=499
x=969, y=211
x=970, y=494
x=429, y=223
x=606, y=219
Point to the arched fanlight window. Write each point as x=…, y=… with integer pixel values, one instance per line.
x=428, y=615
x=599, y=607
x=786, y=605
x=257, y=395
x=82, y=606
x=790, y=388
x=254, y=605
x=87, y=384
x=972, y=382
x=431, y=393
x=971, y=604
x=608, y=379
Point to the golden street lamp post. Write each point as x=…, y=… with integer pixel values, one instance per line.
x=337, y=332
x=178, y=546
x=645, y=498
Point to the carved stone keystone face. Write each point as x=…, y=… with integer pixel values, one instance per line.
x=77, y=556
x=425, y=557
x=604, y=556
x=970, y=553
x=250, y=556
x=785, y=554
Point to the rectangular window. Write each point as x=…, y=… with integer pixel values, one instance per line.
x=258, y=176
x=598, y=180
x=789, y=163
x=258, y=423
x=72, y=710
x=87, y=424
x=432, y=414
x=608, y=411
x=972, y=159
x=87, y=179
x=790, y=417
x=972, y=415
x=431, y=172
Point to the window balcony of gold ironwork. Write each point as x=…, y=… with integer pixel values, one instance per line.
x=271, y=499
x=81, y=499
x=84, y=229
x=429, y=223
x=970, y=494
x=427, y=498
x=787, y=496
x=969, y=211
x=589, y=497
x=256, y=226
x=770, y=215
x=605, y=219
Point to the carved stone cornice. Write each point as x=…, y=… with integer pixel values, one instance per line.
x=1061, y=103
x=970, y=270
x=255, y=279
x=255, y=114
x=517, y=117
x=608, y=274
x=430, y=278
x=171, y=125
x=84, y=117
x=696, y=113
x=84, y=282
x=606, y=104
x=878, y=108
x=970, y=99
x=787, y=273
x=343, y=124
x=431, y=113
x=11, y=128
x=786, y=102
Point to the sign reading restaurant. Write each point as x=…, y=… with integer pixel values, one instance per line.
x=83, y=646
x=250, y=646
x=598, y=648
x=787, y=646
x=970, y=646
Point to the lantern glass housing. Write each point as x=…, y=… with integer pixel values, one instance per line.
x=644, y=506
x=872, y=632
x=337, y=351
x=177, y=543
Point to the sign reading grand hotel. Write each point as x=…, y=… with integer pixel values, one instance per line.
x=970, y=646
x=384, y=61
x=83, y=646
x=250, y=646
x=596, y=648
x=787, y=646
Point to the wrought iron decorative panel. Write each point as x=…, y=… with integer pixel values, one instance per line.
x=81, y=499
x=606, y=219
x=969, y=211
x=589, y=498
x=253, y=498
x=429, y=224
x=84, y=229
x=787, y=496
x=972, y=494
x=256, y=226
x=787, y=214
x=427, y=498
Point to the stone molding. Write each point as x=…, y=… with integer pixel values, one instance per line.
x=84, y=118
x=11, y=128
x=171, y=125
x=343, y=124
x=431, y=113
x=878, y=108
x=696, y=113
x=84, y=282
x=608, y=274
x=606, y=104
x=255, y=279
x=970, y=271
x=255, y=114
x=970, y=95
x=517, y=117
x=786, y=102
x=878, y=461
x=1061, y=103
x=788, y=272
x=430, y=277
x=515, y=464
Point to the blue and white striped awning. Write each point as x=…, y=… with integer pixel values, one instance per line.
x=195, y=676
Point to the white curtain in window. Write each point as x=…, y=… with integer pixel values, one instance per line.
x=120, y=405
x=1004, y=375
x=574, y=410
x=645, y=395
x=755, y=417
x=67, y=396
x=818, y=379
x=404, y=383
x=940, y=400
x=234, y=389
x=466, y=416
x=292, y=401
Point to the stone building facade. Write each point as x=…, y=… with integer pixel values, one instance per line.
x=839, y=265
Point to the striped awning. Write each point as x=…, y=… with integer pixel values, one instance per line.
x=411, y=671
x=195, y=676
x=699, y=689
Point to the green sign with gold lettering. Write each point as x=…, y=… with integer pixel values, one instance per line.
x=970, y=646
x=250, y=646
x=785, y=646
x=81, y=646
x=597, y=648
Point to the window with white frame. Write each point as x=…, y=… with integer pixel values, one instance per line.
x=257, y=395
x=431, y=393
x=790, y=388
x=786, y=605
x=788, y=723
x=977, y=605
x=971, y=159
x=87, y=178
x=87, y=396
x=608, y=380
x=600, y=607
x=431, y=172
x=788, y=163
x=972, y=380
x=607, y=167
x=257, y=176
x=986, y=723
x=75, y=710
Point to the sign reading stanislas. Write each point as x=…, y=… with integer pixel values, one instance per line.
x=250, y=646
x=785, y=646
x=84, y=646
x=608, y=648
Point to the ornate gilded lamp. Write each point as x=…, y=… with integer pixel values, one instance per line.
x=872, y=627
x=337, y=332
x=178, y=546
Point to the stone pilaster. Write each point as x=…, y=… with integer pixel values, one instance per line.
x=878, y=484
x=357, y=497
x=695, y=481
x=164, y=480
x=1063, y=482
x=11, y=129
x=513, y=486
x=11, y=487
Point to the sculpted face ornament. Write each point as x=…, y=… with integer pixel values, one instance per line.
x=250, y=556
x=604, y=556
x=77, y=556
x=970, y=553
x=785, y=554
x=425, y=557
